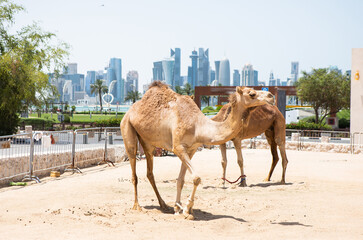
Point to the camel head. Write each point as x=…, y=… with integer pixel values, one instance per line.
x=249, y=97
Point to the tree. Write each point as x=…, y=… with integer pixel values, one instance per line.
x=25, y=56
x=133, y=96
x=179, y=90
x=99, y=88
x=206, y=99
x=327, y=90
x=188, y=90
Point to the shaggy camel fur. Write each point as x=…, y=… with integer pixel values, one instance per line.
x=165, y=119
x=267, y=119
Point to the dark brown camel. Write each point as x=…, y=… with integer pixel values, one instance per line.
x=267, y=119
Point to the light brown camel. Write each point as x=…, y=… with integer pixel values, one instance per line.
x=267, y=119
x=165, y=119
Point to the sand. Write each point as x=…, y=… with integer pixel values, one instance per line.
x=323, y=199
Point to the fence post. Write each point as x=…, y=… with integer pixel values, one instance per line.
x=105, y=158
x=73, y=166
x=31, y=177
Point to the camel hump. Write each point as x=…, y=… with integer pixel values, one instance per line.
x=159, y=84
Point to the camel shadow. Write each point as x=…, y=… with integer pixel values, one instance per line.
x=198, y=214
x=292, y=224
x=269, y=184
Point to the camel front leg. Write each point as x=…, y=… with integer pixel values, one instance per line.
x=238, y=148
x=223, y=149
x=148, y=150
x=130, y=141
x=181, y=152
x=180, y=183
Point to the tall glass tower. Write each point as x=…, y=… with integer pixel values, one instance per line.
x=295, y=70
x=236, y=78
x=194, y=69
x=158, y=71
x=114, y=73
x=217, y=63
x=90, y=79
x=203, y=67
x=224, y=73
x=249, y=76
x=168, y=69
x=176, y=55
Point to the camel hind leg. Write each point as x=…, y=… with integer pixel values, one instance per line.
x=130, y=140
x=223, y=149
x=148, y=150
x=275, y=157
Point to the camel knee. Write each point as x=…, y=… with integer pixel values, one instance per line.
x=134, y=180
x=197, y=181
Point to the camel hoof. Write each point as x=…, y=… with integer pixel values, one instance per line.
x=242, y=184
x=189, y=217
x=136, y=207
x=266, y=180
x=282, y=182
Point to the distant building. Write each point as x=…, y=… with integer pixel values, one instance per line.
x=295, y=71
x=217, y=63
x=90, y=79
x=132, y=82
x=158, y=71
x=212, y=75
x=168, y=70
x=236, y=78
x=114, y=80
x=224, y=73
x=176, y=55
x=193, y=70
x=203, y=67
x=249, y=75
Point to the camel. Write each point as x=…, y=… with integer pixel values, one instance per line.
x=267, y=119
x=165, y=119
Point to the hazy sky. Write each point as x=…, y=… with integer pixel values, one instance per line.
x=269, y=34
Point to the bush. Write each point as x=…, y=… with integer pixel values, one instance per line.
x=112, y=122
x=37, y=123
x=208, y=109
x=67, y=119
x=308, y=126
x=344, y=123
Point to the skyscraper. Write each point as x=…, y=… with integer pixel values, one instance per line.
x=249, y=75
x=114, y=73
x=176, y=55
x=168, y=69
x=158, y=71
x=224, y=73
x=194, y=69
x=236, y=78
x=295, y=70
x=90, y=79
x=217, y=63
x=203, y=67
x=132, y=81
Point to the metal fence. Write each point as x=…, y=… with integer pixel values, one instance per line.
x=29, y=156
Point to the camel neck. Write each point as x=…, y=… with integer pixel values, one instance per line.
x=215, y=133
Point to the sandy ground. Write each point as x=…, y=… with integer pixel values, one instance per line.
x=323, y=199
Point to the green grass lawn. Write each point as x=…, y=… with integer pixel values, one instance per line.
x=77, y=117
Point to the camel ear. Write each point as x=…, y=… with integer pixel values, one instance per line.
x=239, y=90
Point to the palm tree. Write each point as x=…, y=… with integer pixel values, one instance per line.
x=98, y=88
x=188, y=90
x=133, y=96
x=206, y=99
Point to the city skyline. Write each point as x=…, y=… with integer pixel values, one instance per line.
x=314, y=33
